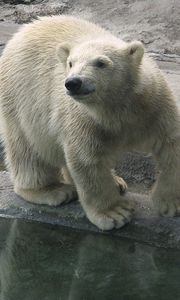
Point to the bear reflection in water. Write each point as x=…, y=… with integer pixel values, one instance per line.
x=42, y=262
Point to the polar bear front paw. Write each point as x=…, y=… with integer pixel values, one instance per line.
x=52, y=196
x=64, y=194
x=115, y=217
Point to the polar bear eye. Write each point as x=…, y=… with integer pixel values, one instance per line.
x=70, y=64
x=100, y=64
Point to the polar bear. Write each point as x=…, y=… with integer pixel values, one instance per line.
x=73, y=97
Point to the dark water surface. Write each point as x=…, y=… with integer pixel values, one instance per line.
x=42, y=262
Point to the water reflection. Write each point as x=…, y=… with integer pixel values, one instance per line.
x=47, y=263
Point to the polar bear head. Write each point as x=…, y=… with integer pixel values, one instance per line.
x=100, y=68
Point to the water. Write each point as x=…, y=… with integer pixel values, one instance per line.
x=42, y=262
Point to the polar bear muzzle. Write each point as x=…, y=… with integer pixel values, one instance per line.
x=76, y=85
x=73, y=84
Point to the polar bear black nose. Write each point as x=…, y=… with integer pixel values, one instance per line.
x=73, y=84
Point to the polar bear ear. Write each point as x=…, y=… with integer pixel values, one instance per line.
x=135, y=50
x=62, y=52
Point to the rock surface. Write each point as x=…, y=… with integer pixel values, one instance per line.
x=146, y=226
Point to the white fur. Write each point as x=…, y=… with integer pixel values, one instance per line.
x=46, y=131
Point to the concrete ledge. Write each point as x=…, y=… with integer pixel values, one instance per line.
x=146, y=226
